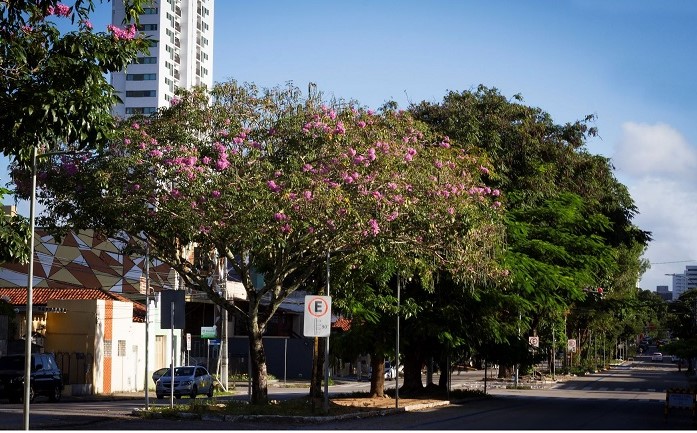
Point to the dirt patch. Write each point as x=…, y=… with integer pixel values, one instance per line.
x=380, y=402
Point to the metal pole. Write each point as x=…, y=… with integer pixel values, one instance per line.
x=147, y=321
x=285, y=359
x=326, y=353
x=554, y=351
x=249, y=376
x=516, y=366
x=171, y=389
x=30, y=289
x=396, y=383
x=485, y=374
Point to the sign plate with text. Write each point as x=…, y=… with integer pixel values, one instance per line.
x=317, y=317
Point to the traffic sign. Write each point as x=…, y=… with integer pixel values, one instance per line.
x=534, y=341
x=317, y=317
x=571, y=345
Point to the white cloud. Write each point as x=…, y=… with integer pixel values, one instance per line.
x=660, y=164
x=654, y=150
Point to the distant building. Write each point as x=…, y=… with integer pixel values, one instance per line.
x=664, y=292
x=679, y=285
x=691, y=277
x=181, y=55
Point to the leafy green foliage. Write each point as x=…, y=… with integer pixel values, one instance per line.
x=14, y=236
x=54, y=88
x=568, y=219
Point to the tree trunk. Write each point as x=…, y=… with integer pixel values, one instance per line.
x=260, y=392
x=505, y=371
x=317, y=367
x=377, y=381
x=412, y=373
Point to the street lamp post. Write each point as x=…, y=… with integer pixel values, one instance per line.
x=326, y=351
x=30, y=283
x=30, y=288
x=396, y=355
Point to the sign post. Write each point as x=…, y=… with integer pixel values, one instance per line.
x=188, y=348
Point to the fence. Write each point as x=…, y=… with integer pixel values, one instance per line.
x=285, y=357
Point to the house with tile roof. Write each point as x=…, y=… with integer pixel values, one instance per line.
x=98, y=337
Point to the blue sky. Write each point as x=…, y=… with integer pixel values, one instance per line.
x=632, y=63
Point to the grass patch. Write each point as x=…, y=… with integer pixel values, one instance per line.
x=298, y=407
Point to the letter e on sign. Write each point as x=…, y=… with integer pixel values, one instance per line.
x=317, y=317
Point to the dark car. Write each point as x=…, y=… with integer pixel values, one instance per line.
x=45, y=378
x=159, y=373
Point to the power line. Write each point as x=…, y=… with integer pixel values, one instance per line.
x=667, y=263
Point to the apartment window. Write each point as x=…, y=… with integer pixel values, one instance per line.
x=149, y=11
x=140, y=110
x=140, y=77
x=140, y=93
x=121, y=350
x=146, y=60
x=146, y=27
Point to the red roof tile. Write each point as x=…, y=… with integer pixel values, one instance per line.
x=342, y=323
x=41, y=296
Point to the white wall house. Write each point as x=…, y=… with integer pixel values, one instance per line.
x=104, y=332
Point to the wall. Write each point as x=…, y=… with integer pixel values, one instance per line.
x=74, y=332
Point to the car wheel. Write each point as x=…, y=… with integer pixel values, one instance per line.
x=194, y=392
x=56, y=394
x=210, y=391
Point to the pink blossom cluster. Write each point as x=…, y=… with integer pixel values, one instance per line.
x=122, y=34
x=59, y=10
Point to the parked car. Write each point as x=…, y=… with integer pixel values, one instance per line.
x=45, y=377
x=657, y=356
x=390, y=371
x=190, y=380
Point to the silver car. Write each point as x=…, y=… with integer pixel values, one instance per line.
x=188, y=380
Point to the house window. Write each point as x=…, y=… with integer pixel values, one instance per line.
x=149, y=11
x=146, y=27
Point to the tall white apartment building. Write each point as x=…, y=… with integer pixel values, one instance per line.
x=680, y=284
x=181, y=55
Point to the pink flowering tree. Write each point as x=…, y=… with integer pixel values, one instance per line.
x=273, y=182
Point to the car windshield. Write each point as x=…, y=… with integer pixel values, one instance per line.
x=12, y=363
x=180, y=371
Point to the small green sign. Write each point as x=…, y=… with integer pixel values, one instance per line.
x=208, y=332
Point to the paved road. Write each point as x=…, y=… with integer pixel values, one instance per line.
x=626, y=397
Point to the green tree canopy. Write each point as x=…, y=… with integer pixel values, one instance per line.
x=54, y=88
